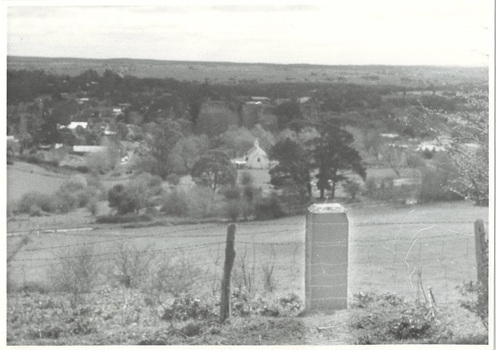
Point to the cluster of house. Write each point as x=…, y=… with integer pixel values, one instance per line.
x=108, y=129
x=440, y=143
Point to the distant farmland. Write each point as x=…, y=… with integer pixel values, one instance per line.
x=233, y=73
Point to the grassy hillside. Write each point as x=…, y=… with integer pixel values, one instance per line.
x=231, y=73
x=387, y=246
x=23, y=178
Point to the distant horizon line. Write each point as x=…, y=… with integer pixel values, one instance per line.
x=252, y=63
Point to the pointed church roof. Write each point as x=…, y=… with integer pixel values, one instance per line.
x=256, y=147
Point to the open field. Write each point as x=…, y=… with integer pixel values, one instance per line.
x=232, y=73
x=24, y=177
x=387, y=246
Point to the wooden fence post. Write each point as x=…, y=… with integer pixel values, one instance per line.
x=225, y=298
x=480, y=248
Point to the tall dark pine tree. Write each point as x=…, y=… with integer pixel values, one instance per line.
x=332, y=153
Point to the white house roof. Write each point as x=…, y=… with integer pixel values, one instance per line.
x=390, y=136
x=429, y=147
x=74, y=125
x=87, y=149
x=239, y=161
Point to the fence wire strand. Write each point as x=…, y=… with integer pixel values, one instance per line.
x=402, y=255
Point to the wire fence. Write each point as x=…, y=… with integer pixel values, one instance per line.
x=384, y=257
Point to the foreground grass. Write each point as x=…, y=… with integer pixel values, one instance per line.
x=112, y=316
x=120, y=316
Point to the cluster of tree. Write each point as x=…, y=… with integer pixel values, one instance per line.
x=330, y=154
x=179, y=124
x=152, y=99
x=468, y=151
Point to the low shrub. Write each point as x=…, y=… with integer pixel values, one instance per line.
x=175, y=276
x=131, y=265
x=186, y=308
x=82, y=169
x=192, y=329
x=35, y=201
x=352, y=188
x=52, y=162
x=245, y=304
x=35, y=211
x=92, y=206
x=389, y=319
x=267, y=208
x=384, y=190
x=232, y=193
x=81, y=322
x=74, y=183
x=233, y=209
x=240, y=200
x=66, y=201
x=125, y=200
x=151, y=183
x=122, y=219
x=435, y=186
x=79, y=168
x=36, y=158
x=76, y=273
x=175, y=203
x=201, y=202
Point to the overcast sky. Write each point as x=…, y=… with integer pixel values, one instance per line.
x=400, y=32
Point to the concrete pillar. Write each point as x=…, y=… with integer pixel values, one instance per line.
x=326, y=257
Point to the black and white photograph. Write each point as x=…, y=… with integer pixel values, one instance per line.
x=262, y=173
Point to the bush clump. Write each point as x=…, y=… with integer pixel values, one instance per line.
x=267, y=208
x=245, y=304
x=140, y=192
x=435, y=186
x=186, y=307
x=389, y=319
x=33, y=202
x=384, y=190
x=123, y=219
x=175, y=203
x=73, y=193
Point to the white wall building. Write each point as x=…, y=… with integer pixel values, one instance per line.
x=256, y=158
